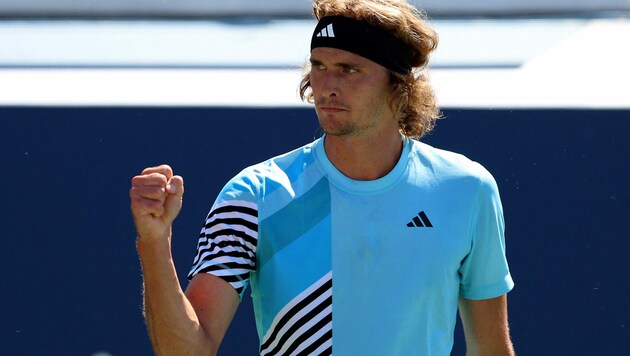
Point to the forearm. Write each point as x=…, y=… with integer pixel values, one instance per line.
x=486, y=328
x=489, y=349
x=173, y=325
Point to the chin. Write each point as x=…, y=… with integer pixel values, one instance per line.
x=339, y=132
x=334, y=127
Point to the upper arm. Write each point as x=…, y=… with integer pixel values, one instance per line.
x=215, y=302
x=485, y=325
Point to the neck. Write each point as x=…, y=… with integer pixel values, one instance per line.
x=364, y=159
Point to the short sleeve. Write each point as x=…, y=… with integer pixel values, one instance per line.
x=484, y=272
x=228, y=239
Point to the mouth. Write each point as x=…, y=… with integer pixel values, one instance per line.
x=331, y=110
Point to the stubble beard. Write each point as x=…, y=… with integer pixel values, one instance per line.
x=339, y=127
x=344, y=129
x=341, y=131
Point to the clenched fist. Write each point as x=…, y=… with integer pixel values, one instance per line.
x=156, y=199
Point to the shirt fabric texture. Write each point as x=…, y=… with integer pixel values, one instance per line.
x=358, y=267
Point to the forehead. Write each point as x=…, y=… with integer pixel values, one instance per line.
x=340, y=56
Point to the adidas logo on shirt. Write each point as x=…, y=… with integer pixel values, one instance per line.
x=420, y=220
x=327, y=31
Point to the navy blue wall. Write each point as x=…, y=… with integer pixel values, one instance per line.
x=70, y=274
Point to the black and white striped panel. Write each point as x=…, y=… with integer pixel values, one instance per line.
x=227, y=243
x=304, y=326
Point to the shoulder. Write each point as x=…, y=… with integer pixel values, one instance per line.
x=282, y=166
x=448, y=165
x=276, y=171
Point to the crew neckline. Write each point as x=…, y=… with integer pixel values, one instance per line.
x=361, y=186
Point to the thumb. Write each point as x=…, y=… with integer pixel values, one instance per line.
x=173, y=202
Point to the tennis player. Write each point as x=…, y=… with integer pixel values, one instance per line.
x=364, y=242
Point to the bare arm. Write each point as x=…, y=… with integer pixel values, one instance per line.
x=178, y=324
x=486, y=326
x=215, y=302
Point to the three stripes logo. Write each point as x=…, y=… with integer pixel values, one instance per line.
x=326, y=31
x=420, y=220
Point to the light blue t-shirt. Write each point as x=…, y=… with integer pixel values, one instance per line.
x=358, y=267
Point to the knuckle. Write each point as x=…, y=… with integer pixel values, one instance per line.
x=153, y=192
x=163, y=170
x=166, y=168
x=156, y=178
x=137, y=180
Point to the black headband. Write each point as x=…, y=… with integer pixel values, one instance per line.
x=359, y=37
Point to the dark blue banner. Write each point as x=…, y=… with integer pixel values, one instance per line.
x=71, y=276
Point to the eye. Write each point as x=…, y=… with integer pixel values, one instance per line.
x=317, y=65
x=350, y=70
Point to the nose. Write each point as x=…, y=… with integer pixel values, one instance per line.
x=328, y=84
x=331, y=86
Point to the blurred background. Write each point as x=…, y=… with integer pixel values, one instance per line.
x=93, y=91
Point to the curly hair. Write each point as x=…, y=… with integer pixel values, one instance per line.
x=413, y=99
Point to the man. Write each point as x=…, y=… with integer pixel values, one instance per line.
x=363, y=242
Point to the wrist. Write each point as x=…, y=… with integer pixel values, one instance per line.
x=153, y=244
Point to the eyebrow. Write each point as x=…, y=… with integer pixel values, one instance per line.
x=314, y=61
x=344, y=65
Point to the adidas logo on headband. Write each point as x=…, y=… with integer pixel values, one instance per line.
x=364, y=39
x=327, y=32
